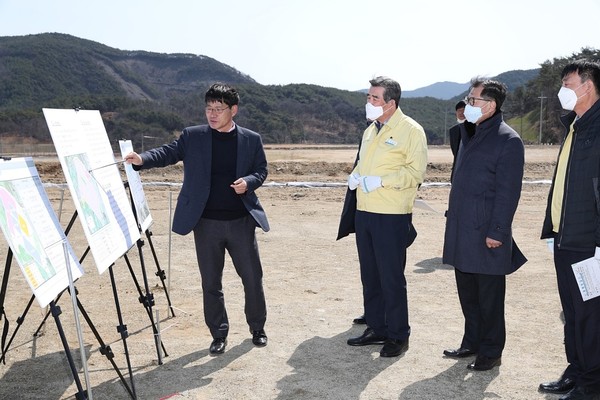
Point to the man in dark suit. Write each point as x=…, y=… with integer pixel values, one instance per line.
x=223, y=166
x=478, y=242
x=454, y=132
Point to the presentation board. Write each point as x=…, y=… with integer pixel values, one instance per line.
x=142, y=210
x=33, y=232
x=95, y=183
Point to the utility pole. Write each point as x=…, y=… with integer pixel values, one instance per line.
x=542, y=97
x=521, y=131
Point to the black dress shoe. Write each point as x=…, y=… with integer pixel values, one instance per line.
x=359, y=320
x=218, y=345
x=459, y=353
x=581, y=393
x=483, y=363
x=394, y=347
x=259, y=338
x=368, y=337
x=563, y=385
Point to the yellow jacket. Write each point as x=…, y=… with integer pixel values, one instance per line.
x=398, y=154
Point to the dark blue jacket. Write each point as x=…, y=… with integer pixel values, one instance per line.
x=579, y=227
x=194, y=148
x=486, y=188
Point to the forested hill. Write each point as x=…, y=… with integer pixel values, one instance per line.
x=41, y=68
x=143, y=94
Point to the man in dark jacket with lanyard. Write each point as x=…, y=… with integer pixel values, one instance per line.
x=223, y=166
x=573, y=221
x=478, y=242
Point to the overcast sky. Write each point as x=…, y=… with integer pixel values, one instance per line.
x=333, y=43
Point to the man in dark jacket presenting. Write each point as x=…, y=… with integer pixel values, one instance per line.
x=486, y=188
x=223, y=166
x=573, y=221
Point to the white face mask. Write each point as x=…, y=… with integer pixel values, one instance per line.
x=472, y=114
x=373, y=112
x=567, y=98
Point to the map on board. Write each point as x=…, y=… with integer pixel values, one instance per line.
x=95, y=182
x=33, y=232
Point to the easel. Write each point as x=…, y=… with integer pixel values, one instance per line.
x=55, y=311
x=146, y=299
x=2, y=297
x=160, y=273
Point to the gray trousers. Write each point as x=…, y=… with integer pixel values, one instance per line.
x=212, y=238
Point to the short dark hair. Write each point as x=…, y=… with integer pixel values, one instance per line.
x=391, y=88
x=586, y=69
x=223, y=93
x=491, y=89
x=460, y=104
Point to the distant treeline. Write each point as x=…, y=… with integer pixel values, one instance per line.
x=150, y=97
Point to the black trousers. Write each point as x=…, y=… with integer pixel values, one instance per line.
x=482, y=303
x=381, y=241
x=212, y=238
x=582, y=322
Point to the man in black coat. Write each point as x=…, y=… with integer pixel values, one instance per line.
x=478, y=241
x=454, y=132
x=573, y=222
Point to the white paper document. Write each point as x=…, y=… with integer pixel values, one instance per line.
x=587, y=274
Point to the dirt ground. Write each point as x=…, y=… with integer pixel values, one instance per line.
x=313, y=292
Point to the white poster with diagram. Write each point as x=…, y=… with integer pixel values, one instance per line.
x=95, y=182
x=142, y=211
x=33, y=232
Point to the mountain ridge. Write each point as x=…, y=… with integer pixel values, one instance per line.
x=445, y=90
x=141, y=93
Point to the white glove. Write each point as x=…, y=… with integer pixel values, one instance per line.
x=597, y=254
x=550, y=244
x=353, y=181
x=370, y=183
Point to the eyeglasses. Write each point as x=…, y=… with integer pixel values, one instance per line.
x=471, y=100
x=216, y=110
